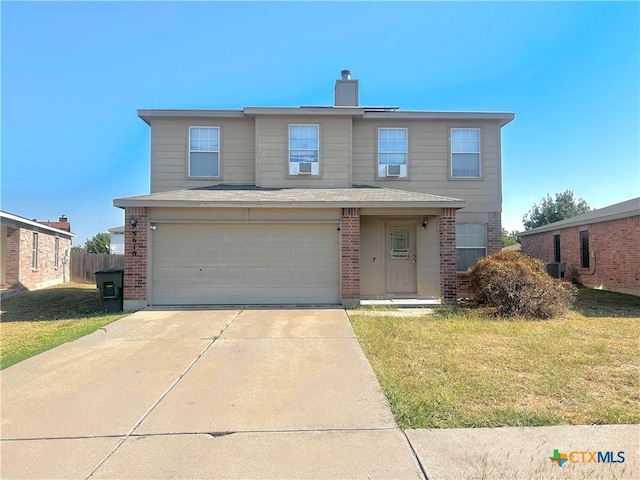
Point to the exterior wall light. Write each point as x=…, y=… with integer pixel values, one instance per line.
x=133, y=221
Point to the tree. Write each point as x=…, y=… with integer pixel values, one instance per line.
x=549, y=210
x=509, y=238
x=100, y=243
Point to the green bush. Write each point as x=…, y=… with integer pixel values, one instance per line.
x=515, y=284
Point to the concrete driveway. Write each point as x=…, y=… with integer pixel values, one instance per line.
x=203, y=394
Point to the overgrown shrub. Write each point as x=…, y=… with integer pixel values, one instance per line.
x=515, y=284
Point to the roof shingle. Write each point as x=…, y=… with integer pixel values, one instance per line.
x=245, y=196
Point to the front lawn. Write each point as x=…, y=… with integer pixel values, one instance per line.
x=33, y=322
x=457, y=368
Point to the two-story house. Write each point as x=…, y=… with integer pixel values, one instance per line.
x=312, y=204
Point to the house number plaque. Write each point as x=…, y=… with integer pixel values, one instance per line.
x=134, y=240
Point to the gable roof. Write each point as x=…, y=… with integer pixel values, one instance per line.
x=628, y=208
x=290, y=197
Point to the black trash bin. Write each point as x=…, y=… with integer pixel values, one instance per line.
x=110, y=283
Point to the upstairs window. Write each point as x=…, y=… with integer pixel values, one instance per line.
x=465, y=153
x=392, y=152
x=204, y=151
x=304, y=149
x=471, y=245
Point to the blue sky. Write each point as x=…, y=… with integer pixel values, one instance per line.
x=74, y=73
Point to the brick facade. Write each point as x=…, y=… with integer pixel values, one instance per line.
x=135, y=251
x=447, y=243
x=614, y=253
x=19, y=270
x=350, y=254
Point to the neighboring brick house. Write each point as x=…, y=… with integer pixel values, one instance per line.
x=312, y=204
x=599, y=249
x=34, y=255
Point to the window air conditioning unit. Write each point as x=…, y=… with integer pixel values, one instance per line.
x=555, y=269
x=304, y=168
x=393, y=170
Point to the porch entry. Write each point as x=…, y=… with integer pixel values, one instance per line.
x=400, y=258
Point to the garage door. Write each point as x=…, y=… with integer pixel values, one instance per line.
x=245, y=264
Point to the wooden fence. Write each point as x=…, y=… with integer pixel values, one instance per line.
x=83, y=265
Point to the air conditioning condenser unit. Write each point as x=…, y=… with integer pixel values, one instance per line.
x=555, y=269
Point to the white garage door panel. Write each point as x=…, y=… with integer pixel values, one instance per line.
x=245, y=264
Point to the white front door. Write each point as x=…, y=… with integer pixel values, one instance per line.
x=400, y=248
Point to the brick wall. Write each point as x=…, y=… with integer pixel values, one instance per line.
x=447, y=242
x=135, y=251
x=12, y=266
x=494, y=233
x=615, y=244
x=350, y=241
x=19, y=268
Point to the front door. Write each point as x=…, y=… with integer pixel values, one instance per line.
x=400, y=258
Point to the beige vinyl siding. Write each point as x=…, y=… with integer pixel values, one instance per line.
x=169, y=152
x=429, y=161
x=428, y=260
x=273, y=151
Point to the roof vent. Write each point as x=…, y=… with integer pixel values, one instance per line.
x=346, y=91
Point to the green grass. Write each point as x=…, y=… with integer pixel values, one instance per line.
x=34, y=322
x=458, y=368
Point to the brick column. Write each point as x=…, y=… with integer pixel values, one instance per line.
x=12, y=267
x=350, y=240
x=494, y=233
x=447, y=242
x=135, y=259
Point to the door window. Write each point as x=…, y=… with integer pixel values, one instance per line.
x=399, y=243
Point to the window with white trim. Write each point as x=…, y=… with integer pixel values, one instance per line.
x=392, y=152
x=304, y=149
x=465, y=153
x=34, y=250
x=204, y=151
x=471, y=245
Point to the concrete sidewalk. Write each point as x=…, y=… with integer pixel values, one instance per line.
x=253, y=394
x=610, y=452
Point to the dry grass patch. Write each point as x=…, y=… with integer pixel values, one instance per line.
x=33, y=322
x=462, y=369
